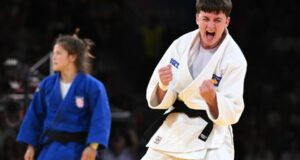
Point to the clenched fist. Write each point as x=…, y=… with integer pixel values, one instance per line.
x=165, y=75
x=207, y=90
x=208, y=93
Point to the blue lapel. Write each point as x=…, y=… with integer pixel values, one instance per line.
x=62, y=103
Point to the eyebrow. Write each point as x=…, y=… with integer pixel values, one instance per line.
x=218, y=18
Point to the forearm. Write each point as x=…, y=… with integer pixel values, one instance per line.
x=213, y=106
x=160, y=94
x=230, y=111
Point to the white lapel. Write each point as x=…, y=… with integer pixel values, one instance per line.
x=191, y=87
x=183, y=75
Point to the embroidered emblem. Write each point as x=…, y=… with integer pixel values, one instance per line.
x=216, y=80
x=157, y=139
x=79, y=101
x=174, y=63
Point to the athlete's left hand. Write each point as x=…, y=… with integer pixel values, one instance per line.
x=89, y=154
x=207, y=91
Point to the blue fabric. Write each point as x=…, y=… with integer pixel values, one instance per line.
x=85, y=108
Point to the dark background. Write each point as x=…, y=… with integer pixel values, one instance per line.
x=130, y=37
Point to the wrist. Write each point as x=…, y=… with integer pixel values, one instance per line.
x=30, y=146
x=162, y=86
x=94, y=146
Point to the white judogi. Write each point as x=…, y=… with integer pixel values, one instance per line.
x=178, y=135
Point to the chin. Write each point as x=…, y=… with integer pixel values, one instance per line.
x=211, y=44
x=55, y=69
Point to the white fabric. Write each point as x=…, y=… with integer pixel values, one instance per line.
x=64, y=88
x=162, y=86
x=225, y=152
x=153, y=154
x=199, y=59
x=178, y=134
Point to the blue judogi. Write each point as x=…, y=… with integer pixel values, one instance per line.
x=84, y=109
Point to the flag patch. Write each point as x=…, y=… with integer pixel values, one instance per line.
x=174, y=63
x=79, y=100
x=216, y=80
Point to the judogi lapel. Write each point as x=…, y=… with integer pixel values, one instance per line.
x=56, y=97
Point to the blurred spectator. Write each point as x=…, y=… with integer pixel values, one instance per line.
x=123, y=146
x=292, y=153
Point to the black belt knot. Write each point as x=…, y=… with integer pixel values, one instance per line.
x=180, y=107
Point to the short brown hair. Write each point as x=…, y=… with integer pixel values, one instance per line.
x=217, y=6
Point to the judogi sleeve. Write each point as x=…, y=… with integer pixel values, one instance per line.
x=171, y=95
x=32, y=125
x=230, y=96
x=100, y=116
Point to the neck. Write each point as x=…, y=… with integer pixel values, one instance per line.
x=67, y=76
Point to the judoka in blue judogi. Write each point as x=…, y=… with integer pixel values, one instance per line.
x=64, y=125
x=84, y=109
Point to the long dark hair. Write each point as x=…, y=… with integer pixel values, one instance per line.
x=79, y=47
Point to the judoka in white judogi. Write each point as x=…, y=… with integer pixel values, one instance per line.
x=178, y=135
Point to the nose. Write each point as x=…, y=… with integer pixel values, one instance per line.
x=211, y=24
x=53, y=56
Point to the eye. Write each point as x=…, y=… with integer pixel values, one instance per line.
x=218, y=20
x=205, y=19
x=56, y=53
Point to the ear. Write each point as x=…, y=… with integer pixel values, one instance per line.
x=72, y=57
x=227, y=21
x=197, y=19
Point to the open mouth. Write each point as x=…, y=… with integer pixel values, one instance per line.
x=210, y=35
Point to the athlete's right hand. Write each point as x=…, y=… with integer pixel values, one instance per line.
x=165, y=75
x=29, y=155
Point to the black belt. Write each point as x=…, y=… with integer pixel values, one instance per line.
x=64, y=137
x=180, y=107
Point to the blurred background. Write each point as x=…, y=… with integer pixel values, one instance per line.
x=131, y=36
